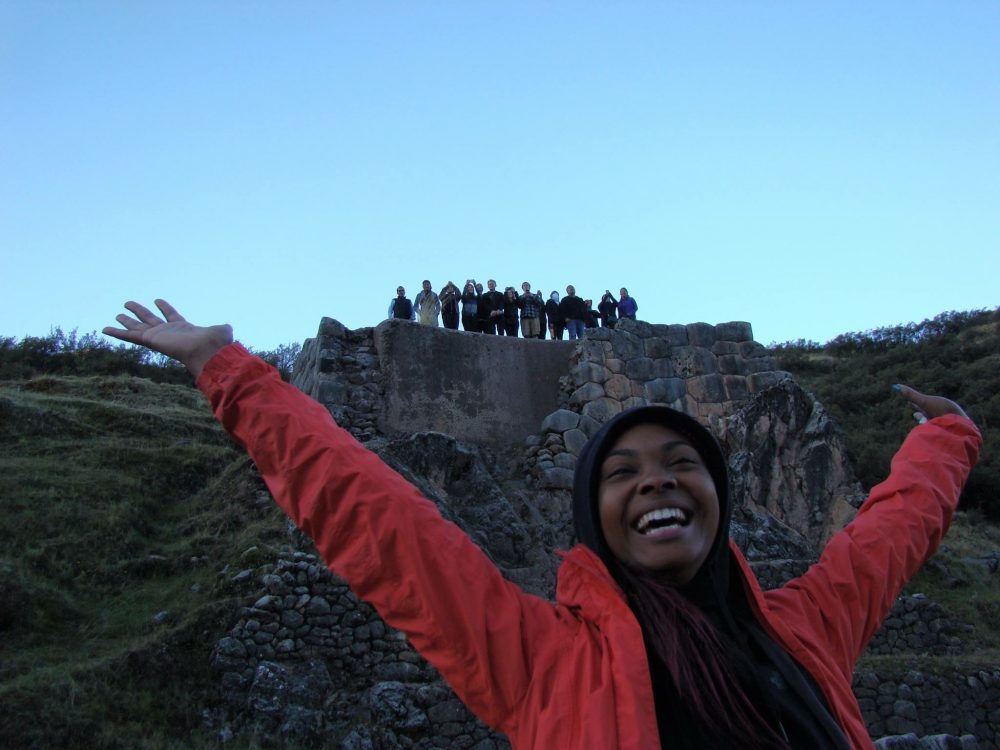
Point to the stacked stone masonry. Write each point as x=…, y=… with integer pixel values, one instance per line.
x=340, y=369
x=703, y=370
x=309, y=662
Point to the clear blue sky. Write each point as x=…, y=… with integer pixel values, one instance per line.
x=812, y=168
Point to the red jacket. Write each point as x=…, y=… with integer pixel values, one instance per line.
x=572, y=674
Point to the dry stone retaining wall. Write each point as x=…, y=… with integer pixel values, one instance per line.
x=703, y=370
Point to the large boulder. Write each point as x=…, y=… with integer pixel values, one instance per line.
x=788, y=460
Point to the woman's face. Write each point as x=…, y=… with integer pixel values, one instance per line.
x=657, y=503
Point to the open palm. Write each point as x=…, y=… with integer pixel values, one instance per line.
x=172, y=335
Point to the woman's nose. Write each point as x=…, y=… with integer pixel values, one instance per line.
x=656, y=478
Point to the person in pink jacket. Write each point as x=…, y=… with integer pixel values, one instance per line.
x=660, y=635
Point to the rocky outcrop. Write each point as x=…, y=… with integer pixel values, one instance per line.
x=788, y=461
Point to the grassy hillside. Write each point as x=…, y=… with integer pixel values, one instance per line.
x=955, y=355
x=123, y=506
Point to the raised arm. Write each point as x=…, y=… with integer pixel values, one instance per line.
x=423, y=574
x=846, y=596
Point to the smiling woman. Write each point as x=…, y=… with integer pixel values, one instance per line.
x=657, y=502
x=660, y=635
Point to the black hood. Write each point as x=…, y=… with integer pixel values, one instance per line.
x=713, y=577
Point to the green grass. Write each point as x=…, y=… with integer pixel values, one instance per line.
x=119, y=499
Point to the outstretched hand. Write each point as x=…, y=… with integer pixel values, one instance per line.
x=172, y=335
x=929, y=407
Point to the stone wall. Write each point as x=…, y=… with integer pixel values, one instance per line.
x=703, y=370
x=310, y=663
x=956, y=704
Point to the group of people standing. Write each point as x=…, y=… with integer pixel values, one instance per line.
x=503, y=313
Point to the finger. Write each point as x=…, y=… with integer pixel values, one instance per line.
x=143, y=313
x=130, y=323
x=912, y=395
x=169, y=312
x=132, y=337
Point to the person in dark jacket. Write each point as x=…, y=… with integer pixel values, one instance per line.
x=450, y=297
x=556, y=324
x=574, y=311
x=400, y=306
x=608, y=309
x=470, y=308
x=510, y=311
x=491, y=308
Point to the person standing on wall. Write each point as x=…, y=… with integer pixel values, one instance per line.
x=608, y=309
x=492, y=309
x=627, y=306
x=400, y=307
x=510, y=311
x=556, y=324
x=470, y=308
x=428, y=305
x=449, y=297
x=530, y=305
x=574, y=311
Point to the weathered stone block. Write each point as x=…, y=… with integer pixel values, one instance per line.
x=736, y=330
x=753, y=349
x=640, y=328
x=592, y=350
x=590, y=372
x=732, y=364
x=656, y=347
x=598, y=334
x=640, y=368
x=707, y=388
x=690, y=361
x=665, y=390
x=587, y=392
x=677, y=335
x=331, y=327
x=602, y=409
x=725, y=347
x=589, y=425
x=565, y=461
x=560, y=421
x=701, y=334
x=737, y=388
x=618, y=387
x=663, y=368
x=575, y=440
x=626, y=345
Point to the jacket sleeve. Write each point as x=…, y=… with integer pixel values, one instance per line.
x=374, y=529
x=844, y=598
